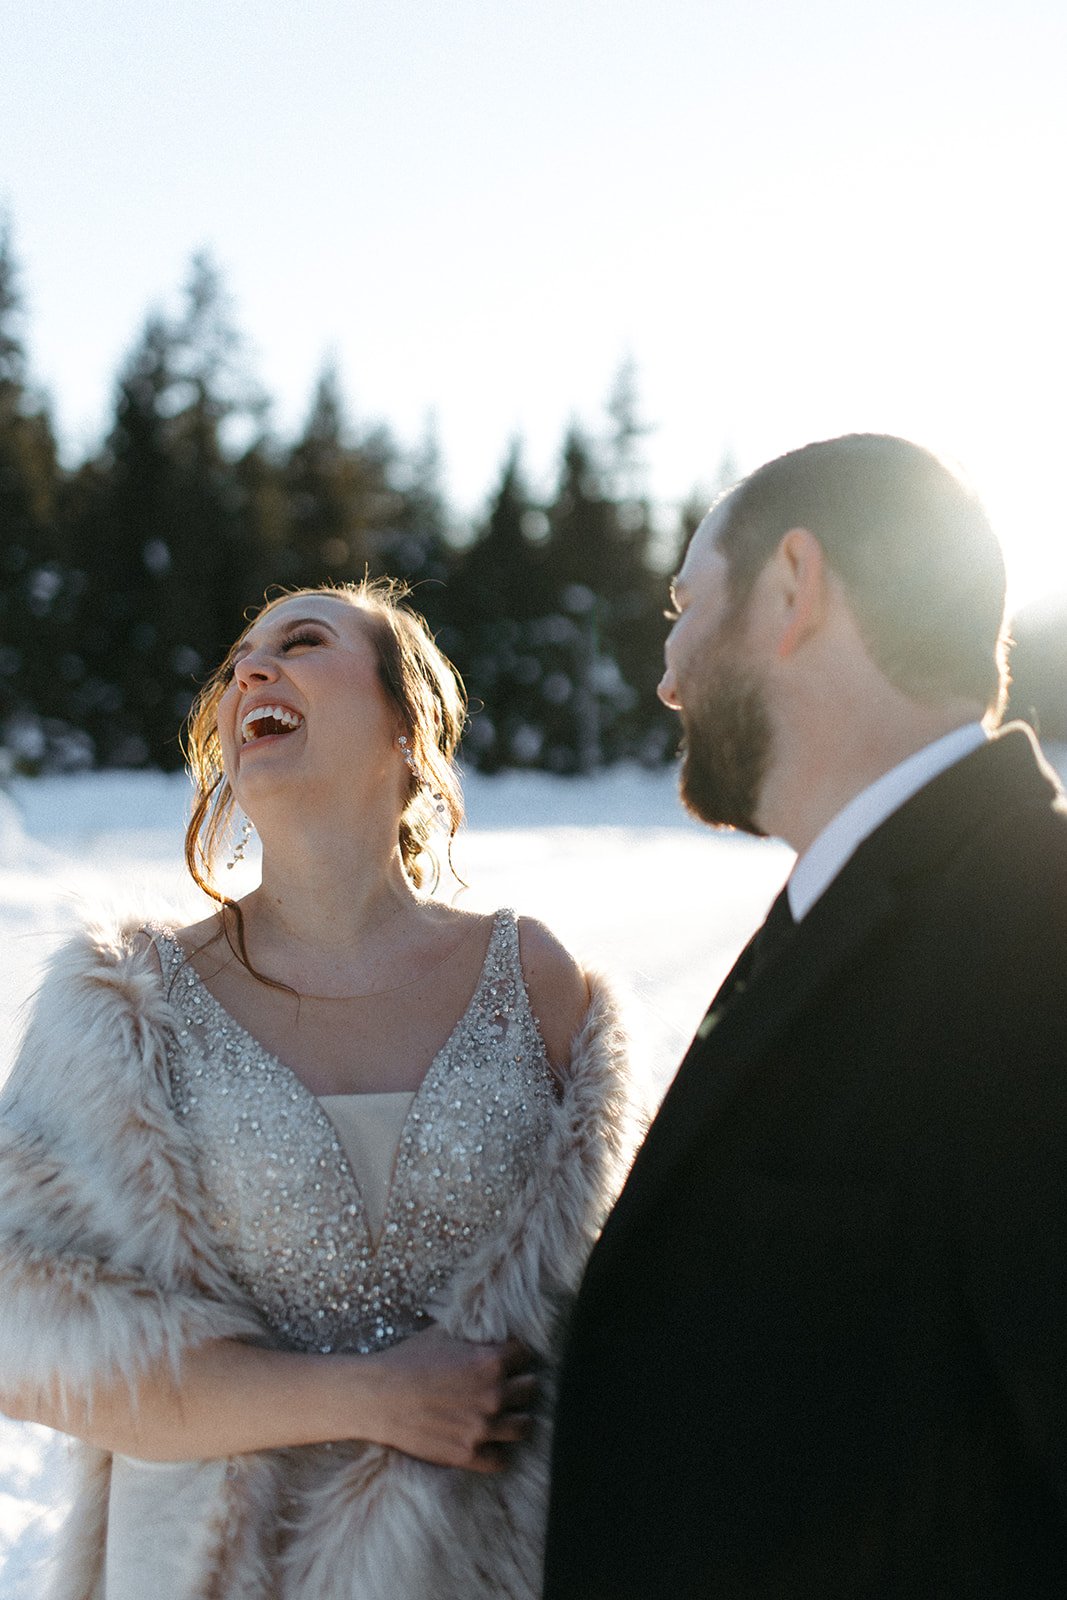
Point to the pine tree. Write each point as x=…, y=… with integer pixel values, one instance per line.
x=209, y=543
x=599, y=550
x=641, y=727
x=507, y=629
x=164, y=538
x=626, y=468
x=416, y=545
x=336, y=493
x=35, y=587
x=263, y=516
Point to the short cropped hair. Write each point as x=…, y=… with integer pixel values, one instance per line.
x=910, y=542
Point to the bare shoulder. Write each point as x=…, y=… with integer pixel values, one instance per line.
x=556, y=984
x=195, y=935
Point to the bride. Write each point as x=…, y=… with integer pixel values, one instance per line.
x=284, y=1245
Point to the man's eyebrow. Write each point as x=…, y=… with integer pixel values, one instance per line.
x=286, y=627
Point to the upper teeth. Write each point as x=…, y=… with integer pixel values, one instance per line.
x=282, y=714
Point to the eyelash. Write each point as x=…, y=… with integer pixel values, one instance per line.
x=672, y=616
x=300, y=638
x=285, y=646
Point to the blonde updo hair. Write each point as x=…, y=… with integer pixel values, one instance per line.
x=430, y=702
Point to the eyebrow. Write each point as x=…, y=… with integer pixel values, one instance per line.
x=287, y=627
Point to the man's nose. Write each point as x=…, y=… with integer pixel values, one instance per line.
x=667, y=690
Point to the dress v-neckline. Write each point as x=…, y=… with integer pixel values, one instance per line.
x=273, y=1063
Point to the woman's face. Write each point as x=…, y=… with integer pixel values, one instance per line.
x=305, y=708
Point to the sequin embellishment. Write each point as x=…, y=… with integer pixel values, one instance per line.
x=284, y=1203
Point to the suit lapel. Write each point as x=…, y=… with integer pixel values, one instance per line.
x=741, y=1026
x=745, y=1020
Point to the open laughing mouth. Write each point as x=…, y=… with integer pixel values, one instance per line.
x=267, y=722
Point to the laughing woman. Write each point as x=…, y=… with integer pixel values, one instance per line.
x=292, y=1199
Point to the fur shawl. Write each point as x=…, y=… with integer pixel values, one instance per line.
x=107, y=1268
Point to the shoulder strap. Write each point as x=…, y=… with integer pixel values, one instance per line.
x=504, y=939
x=167, y=949
x=503, y=960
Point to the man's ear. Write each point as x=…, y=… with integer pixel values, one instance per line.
x=802, y=586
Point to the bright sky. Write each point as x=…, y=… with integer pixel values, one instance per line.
x=798, y=220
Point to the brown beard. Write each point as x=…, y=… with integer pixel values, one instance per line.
x=726, y=748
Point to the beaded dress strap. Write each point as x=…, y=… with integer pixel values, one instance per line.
x=507, y=926
x=171, y=955
x=504, y=946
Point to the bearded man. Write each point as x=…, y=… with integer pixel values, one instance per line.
x=821, y=1347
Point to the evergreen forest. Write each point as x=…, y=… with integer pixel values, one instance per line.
x=124, y=577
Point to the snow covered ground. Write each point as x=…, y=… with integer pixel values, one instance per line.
x=611, y=863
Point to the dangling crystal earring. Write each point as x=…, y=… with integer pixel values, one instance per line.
x=405, y=750
x=247, y=829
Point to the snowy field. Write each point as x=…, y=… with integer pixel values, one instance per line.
x=610, y=863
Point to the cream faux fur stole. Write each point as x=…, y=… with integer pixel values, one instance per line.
x=107, y=1268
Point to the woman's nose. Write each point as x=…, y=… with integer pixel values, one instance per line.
x=256, y=666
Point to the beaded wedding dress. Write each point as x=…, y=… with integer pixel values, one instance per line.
x=164, y=1179
x=287, y=1181
x=342, y=1217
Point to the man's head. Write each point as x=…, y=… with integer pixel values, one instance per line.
x=909, y=549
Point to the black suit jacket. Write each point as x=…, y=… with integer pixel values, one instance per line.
x=821, y=1347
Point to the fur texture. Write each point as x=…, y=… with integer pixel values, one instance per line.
x=107, y=1268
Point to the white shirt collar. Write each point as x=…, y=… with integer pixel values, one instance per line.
x=844, y=833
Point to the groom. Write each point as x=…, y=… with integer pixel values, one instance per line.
x=821, y=1348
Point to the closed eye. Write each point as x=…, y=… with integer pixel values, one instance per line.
x=307, y=631
x=300, y=638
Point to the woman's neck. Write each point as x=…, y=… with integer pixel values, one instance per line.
x=330, y=903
